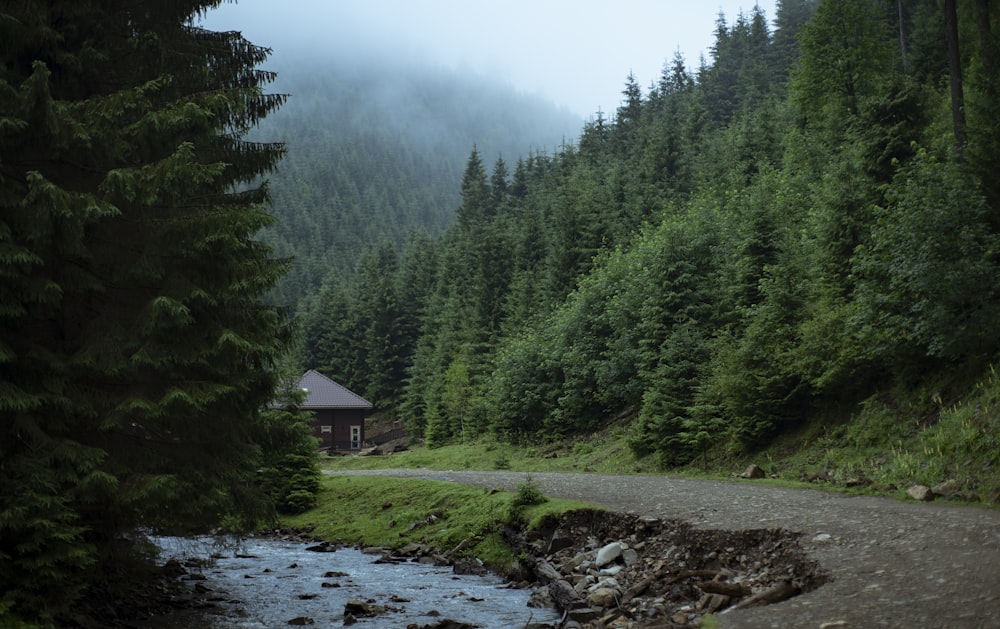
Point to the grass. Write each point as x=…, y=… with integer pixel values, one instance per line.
x=391, y=513
x=881, y=448
x=605, y=453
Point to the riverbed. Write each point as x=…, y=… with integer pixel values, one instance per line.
x=260, y=582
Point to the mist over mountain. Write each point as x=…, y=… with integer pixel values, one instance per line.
x=376, y=148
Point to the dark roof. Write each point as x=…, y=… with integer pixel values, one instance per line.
x=321, y=392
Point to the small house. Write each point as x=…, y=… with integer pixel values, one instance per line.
x=339, y=414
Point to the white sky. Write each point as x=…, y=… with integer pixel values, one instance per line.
x=575, y=53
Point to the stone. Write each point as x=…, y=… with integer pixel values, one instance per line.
x=560, y=540
x=947, y=489
x=920, y=492
x=173, y=568
x=584, y=614
x=753, y=471
x=606, y=582
x=630, y=557
x=469, y=565
x=542, y=599
x=355, y=607
x=608, y=554
x=603, y=597
x=448, y=623
x=822, y=537
x=302, y=620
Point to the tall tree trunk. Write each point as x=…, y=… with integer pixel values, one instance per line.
x=955, y=72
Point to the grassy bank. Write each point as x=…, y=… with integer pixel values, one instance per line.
x=883, y=447
x=392, y=513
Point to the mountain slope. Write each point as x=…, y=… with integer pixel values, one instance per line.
x=376, y=150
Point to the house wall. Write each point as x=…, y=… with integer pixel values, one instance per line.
x=340, y=421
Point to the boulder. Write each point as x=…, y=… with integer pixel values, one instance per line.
x=603, y=597
x=947, y=489
x=920, y=492
x=359, y=608
x=753, y=471
x=608, y=554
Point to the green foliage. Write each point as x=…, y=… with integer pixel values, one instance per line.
x=528, y=494
x=729, y=256
x=378, y=151
x=288, y=471
x=929, y=274
x=136, y=352
x=378, y=511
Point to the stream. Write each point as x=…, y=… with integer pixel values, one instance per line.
x=263, y=582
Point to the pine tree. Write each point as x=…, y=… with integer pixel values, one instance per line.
x=135, y=351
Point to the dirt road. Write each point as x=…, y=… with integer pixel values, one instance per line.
x=891, y=563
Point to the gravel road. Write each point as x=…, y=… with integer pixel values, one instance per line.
x=891, y=563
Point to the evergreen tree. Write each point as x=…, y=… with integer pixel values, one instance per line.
x=135, y=352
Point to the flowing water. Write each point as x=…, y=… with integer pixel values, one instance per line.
x=267, y=583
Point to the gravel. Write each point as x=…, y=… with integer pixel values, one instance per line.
x=890, y=563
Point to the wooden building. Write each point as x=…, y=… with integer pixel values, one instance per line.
x=339, y=414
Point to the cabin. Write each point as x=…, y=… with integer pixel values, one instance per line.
x=339, y=414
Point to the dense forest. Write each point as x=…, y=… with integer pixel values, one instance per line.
x=804, y=222
x=376, y=149
x=139, y=359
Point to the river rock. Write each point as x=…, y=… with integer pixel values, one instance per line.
x=920, y=492
x=468, y=565
x=448, y=623
x=173, y=568
x=356, y=608
x=302, y=620
x=603, y=597
x=630, y=557
x=584, y=614
x=541, y=598
x=753, y=471
x=608, y=554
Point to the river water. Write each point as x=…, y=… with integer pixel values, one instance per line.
x=266, y=583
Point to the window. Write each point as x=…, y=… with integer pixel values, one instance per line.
x=326, y=428
x=355, y=437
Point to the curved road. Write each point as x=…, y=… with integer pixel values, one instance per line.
x=892, y=563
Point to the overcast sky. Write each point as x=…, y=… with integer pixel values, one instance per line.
x=575, y=53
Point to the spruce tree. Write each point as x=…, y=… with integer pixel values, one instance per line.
x=135, y=351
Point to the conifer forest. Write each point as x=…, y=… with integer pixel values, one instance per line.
x=805, y=223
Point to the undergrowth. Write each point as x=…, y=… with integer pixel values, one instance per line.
x=893, y=440
x=391, y=513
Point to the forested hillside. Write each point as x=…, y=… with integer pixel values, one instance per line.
x=376, y=150
x=805, y=224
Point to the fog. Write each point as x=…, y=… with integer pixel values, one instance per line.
x=575, y=54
